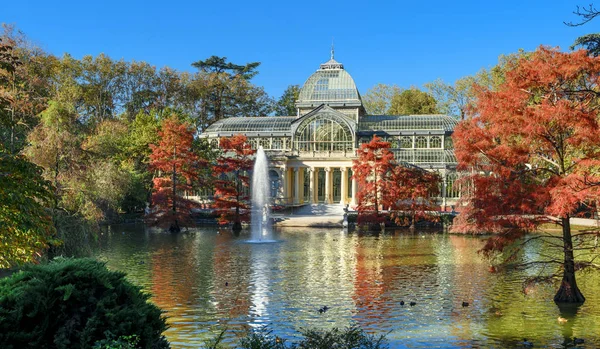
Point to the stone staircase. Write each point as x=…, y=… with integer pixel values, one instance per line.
x=314, y=215
x=319, y=210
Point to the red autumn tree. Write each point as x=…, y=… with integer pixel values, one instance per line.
x=532, y=151
x=177, y=166
x=373, y=173
x=413, y=194
x=232, y=182
x=407, y=193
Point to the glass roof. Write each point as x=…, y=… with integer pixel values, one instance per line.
x=406, y=122
x=264, y=124
x=425, y=156
x=331, y=83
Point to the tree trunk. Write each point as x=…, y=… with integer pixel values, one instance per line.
x=568, y=291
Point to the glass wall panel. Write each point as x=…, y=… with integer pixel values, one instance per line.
x=337, y=185
x=421, y=142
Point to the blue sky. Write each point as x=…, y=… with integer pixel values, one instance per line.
x=393, y=42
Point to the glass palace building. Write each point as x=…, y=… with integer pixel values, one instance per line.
x=311, y=153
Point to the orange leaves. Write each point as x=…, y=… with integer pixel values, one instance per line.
x=232, y=179
x=532, y=144
x=384, y=184
x=174, y=159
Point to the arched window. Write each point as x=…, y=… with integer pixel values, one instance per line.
x=435, y=142
x=394, y=142
x=264, y=142
x=277, y=143
x=421, y=142
x=323, y=133
x=406, y=142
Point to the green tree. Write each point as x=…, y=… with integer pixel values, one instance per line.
x=413, y=102
x=222, y=89
x=24, y=88
x=26, y=228
x=453, y=99
x=378, y=99
x=286, y=104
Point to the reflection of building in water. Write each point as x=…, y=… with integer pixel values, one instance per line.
x=260, y=283
x=311, y=152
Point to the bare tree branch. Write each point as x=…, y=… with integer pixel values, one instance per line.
x=587, y=13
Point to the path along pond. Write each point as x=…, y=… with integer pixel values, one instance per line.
x=207, y=280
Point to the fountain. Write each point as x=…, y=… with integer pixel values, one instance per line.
x=261, y=217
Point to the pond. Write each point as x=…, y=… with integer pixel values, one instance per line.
x=208, y=280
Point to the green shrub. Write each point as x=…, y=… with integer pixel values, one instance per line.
x=76, y=303
x=349, y=338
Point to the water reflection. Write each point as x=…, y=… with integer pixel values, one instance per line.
x=207, y=280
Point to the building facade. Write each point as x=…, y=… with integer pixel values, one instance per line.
x=311, y=153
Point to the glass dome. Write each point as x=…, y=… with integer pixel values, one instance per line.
x=330, y=84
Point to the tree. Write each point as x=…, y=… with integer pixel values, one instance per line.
x=453, y=100
x=286, y=105
x=378, y=99
x=26, y=228
x=232, y=181
x=176, y=164
x=222, y=89
x=532, y=153
x=591, y=42
x=373, y=172
x=24, y=89
x=413, y=101
x=413, y=194
x=406, y=192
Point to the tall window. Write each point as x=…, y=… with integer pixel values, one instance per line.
x=406, y=142
x=421, y=142
x=435, y=142
x=323, y=133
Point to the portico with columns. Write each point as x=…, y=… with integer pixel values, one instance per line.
x=316, y=183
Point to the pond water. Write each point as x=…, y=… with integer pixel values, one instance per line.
x=207, y=280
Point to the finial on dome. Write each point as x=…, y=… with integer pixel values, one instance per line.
x=332, y=49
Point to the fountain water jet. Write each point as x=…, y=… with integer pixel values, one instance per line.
x=261, y=215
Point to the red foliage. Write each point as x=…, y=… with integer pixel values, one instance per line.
x=232, y=182
x=532, y=151
x=413, y=193
x=532, y=147
x=405, y=192
x=173, y=158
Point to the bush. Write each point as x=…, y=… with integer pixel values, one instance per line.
x=349, y=338
x=76, y=303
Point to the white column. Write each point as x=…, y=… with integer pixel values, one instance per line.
x=354, y=189
x=344, y=187
x=444, y=188
x=315, y=191
x=328, y=185
x=284, y=185
x=296, y=185
x=311, y=191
